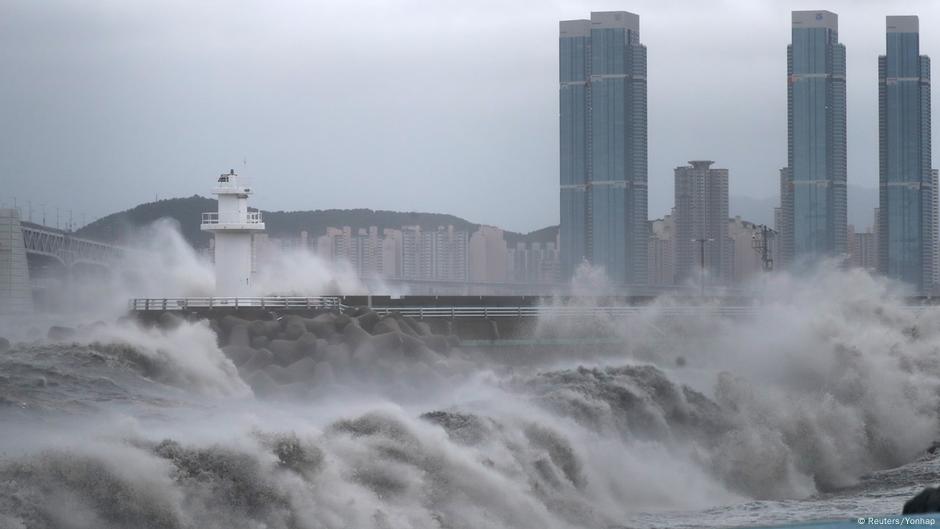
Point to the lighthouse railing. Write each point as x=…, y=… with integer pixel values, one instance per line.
x=212, y=217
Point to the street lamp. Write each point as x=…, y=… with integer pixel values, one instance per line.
x=701, y=243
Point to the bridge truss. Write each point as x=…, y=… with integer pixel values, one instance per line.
x=66, y=248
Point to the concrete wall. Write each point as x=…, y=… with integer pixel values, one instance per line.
x=15, y=291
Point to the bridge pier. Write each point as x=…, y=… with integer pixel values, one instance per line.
x=15, y=291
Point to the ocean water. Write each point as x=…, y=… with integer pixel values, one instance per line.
x=821, y=406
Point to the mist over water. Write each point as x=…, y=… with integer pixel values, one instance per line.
x=162, y=264
x=299, y=272
x=820, y=404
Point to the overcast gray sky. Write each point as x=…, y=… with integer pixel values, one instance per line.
x=435, y=105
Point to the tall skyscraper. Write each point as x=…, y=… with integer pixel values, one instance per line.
x=907, y=221
x=701, y=217
x=935, y=181
x=816, y=129
x=603, y=147
x=783, y=218
x=876, y=233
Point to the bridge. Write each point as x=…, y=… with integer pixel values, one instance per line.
x=35, y=258
x=68, y=250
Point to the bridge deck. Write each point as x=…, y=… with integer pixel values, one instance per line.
x=62, y=245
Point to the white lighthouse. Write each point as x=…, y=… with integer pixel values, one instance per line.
x=232, y=227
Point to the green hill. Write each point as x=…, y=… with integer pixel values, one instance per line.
x=120, y=227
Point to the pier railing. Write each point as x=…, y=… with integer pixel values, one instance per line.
x=451, y=312
x=558, y=311
x=267, y=302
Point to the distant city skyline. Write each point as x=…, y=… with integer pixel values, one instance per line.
x=155, y=99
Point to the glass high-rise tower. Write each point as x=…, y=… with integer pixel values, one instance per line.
x=906, y=226
x=603, y=147
x=815, y=190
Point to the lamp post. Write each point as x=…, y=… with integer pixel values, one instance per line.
x=701, y=243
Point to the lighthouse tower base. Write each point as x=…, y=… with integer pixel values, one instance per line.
x=233, y=264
